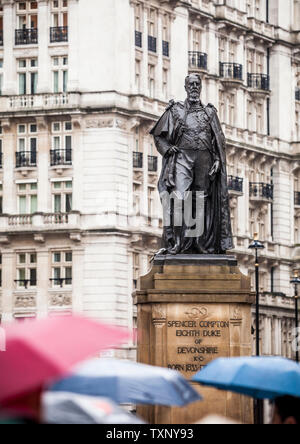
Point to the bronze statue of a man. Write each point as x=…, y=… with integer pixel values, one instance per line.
x=190, y=139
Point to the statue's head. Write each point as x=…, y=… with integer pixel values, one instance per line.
x=193, y=87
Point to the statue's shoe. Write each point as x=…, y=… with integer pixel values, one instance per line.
x=175, y=250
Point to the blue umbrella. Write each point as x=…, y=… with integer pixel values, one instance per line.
x=128, y=382
x=261, y=378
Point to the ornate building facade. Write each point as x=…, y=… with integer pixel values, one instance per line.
x=81, y=83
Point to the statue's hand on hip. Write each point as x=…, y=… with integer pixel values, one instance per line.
x=215, y=169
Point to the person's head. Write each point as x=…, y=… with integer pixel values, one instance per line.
x=286, y=410
x=193, y=87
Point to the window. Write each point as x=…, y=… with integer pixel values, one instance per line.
x=1, y=72
x=138, y=76
x=136, y=268
x=26, y=270
x=152, y=23
x=61, y=151
x=165, y=83
x=28, y=76
x=222, y=107
x=59, y=10
x=0, y=270
x=151, y=80
x=60, y=74
x=1, y=198
x=196, y=39
x=1, y=25
x=1, y=148
x=62, y=196
x=27, y=145
x=27, y=198
x=137, y=197
x=151, y=202
x=27, y=16
x=61, y=268
x=249, y=115
x=222, y=50
x=59, y=21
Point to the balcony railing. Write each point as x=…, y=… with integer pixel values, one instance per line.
x=166, y=48
x=26, y=36
x=1, y=38
x=235, y=184
x=19, y=220
x=152, y=164
x=61, y=157
x=59, y=34
x=138, y=39
x=259, y=81
x=152, y=43
x=56, y=218
x=26, y=282
x=261, y=190
x=61, y=281
x=197, y=60
x=137, y=160
x=26, y=159
x=297, y=198
x=297, y=94
x=231, y=71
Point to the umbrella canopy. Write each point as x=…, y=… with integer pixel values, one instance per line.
x=129, y=382
x=69, y=408
x=39, y=352
x=258, y=377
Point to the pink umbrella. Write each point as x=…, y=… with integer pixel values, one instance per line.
x=38, y=352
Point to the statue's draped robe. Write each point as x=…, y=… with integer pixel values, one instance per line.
x=168, y=132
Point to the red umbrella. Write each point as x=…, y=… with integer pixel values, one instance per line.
x=38, y=352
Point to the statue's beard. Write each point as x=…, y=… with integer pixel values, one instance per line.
x=194, y=97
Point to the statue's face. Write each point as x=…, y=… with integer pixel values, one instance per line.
x=193, y=88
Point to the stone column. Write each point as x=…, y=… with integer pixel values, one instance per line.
x=9, y=159
x=74, y=44
x=43, y=159
x=43, y=58
x=77, y=280
x=180, y=47
x=144, y=70
x=9, y=64
x=43, y=283
x=159, y=67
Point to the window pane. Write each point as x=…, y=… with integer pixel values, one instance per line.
x=21, y=129
x=69, y=184
x=21, y=145
x=56, y=126
x=68, y=272
x=68, y=257
x=22, y=205
x=32, y=275
x=56, y=273
x=33, y=186
x=33, y=204
x=65, y=81
x=33, y=128
x=68, y=142
x=33, y=258
x=22, y=258
x=22, y=84
x=34, y=78
x=56, y=257
x=55, y=82
x=21, y=276
x=68, y=126
x=56, y=143
x=57, y=203
x=57, y=185
x=68, y=203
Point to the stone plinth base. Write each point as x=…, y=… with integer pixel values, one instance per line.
x=191, y=310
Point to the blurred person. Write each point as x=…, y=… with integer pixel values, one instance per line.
x=286, y=410
x=25, y=409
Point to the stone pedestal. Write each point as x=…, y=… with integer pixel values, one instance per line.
x=191, y=310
